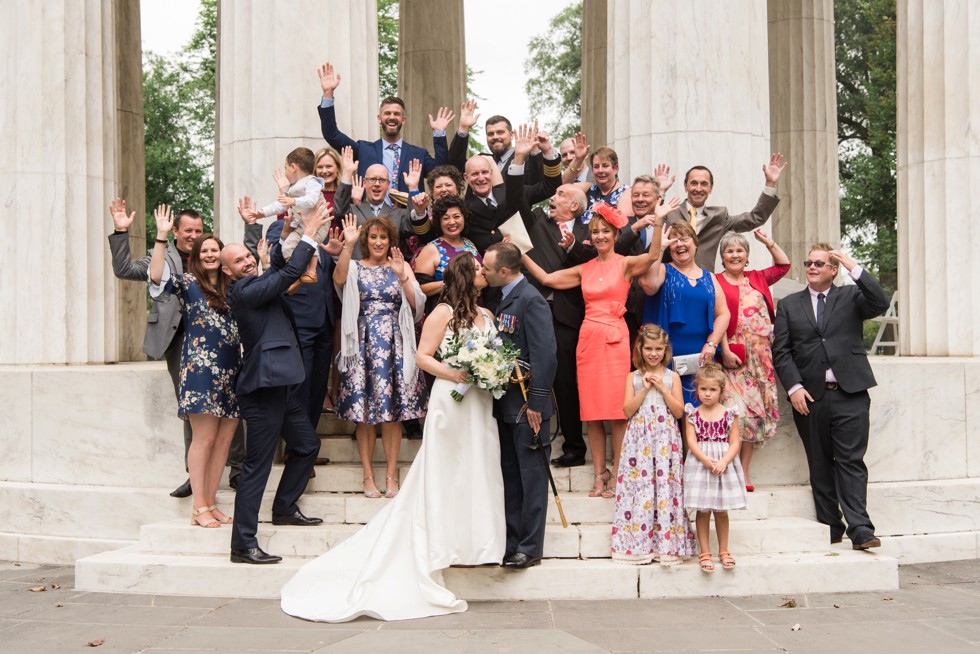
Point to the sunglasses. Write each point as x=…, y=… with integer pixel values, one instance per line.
x=816, y=264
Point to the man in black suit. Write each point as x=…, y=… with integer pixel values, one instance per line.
x=567, y=307
x=272, y=366
x=523, y=318
x=819, y=355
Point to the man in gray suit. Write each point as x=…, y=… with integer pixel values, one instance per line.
x=711, y=223
x=164, y=327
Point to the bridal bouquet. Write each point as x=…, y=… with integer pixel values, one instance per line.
x=486, y=360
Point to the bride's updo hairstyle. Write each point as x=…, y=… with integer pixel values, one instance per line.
x=459, y=291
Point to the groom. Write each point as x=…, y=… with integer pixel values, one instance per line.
x=524, y=319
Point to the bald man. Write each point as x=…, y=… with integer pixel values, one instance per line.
x=271, y=368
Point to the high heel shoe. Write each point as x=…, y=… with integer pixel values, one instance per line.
x=220, y=515
x=207, y=524
x=372, y=494
x=389, y=492
x=599, y=483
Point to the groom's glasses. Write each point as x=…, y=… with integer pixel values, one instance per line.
x=816, y=264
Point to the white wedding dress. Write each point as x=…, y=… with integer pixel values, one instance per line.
x=450, y=510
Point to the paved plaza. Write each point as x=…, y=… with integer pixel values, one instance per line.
x=936, y=609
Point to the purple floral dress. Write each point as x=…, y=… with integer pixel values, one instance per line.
x=649, y=520
x=376, y=390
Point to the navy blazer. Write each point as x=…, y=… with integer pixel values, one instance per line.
x=368, y=153
x=271, y=355
x=311, y=304
x=802, y=351
x=526, y=310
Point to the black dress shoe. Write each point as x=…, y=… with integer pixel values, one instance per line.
x=568, y=461
x=508, y=556
x=253, y=555
x=836, y=539
x=296, y=519
x=866, y=541
x=520, y=561
x=184, y=490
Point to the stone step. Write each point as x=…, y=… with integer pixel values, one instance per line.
x=348, y=478
x=842, y=570
x=356, y=509
x=577, y=541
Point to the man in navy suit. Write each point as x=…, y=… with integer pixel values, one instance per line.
x=272, y=366
x=818, y=353
x=390, y=150
x=524, y=319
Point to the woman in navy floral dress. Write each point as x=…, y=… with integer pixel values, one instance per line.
x=209, y=362
x=379, y=382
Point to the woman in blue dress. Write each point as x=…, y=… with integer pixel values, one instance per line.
x=687, y=303
x=379, y=382
x=209, y=362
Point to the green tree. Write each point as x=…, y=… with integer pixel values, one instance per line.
x=866, y=126
x=178, y=122
x=387, y=47
x=554, y=73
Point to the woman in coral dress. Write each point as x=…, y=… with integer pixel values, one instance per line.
x=603, y=353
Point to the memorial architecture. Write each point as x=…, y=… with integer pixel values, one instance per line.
x=90, y=447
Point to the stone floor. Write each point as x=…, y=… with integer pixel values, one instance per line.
x=936, y=609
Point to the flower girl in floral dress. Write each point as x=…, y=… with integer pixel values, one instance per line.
x=650, y=522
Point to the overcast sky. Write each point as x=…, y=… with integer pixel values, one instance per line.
x=496, y=34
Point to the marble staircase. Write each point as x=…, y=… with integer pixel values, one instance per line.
x=777, y=550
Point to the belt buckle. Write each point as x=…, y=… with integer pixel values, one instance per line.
x=831, y=386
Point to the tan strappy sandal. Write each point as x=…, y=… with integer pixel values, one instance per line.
x=207, y=524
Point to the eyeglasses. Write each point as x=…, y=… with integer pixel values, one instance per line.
x=376, y=180
x=816, y=264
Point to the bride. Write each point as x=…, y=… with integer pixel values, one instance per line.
x=450, y=510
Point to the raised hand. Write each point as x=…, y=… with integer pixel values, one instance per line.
x=666, y=241
x=567, y=238
x=329, y=80
x=763, y=238
x=420, y=204
x=774, y=169
x=314, y=220
x=334, y=243
x=468, y=116
x=397, y=263
x=263, y=249
x=662, y=174
x=523, y=141
x=413, y=175
x=843, y=258
x=164, y=220
x=120, y=221
x=443, y=117
x=248, y=211
x=581, y=146
x=280, y=176
x=356, y=189
x=348, y=167
x=543, y=141
x=286, y=201
x=662, y=209
x=351, y=229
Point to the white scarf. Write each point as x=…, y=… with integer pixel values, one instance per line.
x=349, y=347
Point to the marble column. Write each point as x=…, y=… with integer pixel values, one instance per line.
x=594, y=62
x=58, y=169
x=938, y=173
x=689, y=84
x=431, y=69
x=268, y=89
x=803, y=110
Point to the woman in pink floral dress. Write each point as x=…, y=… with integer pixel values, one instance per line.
x=747, y=349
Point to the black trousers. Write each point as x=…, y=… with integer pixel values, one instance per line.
x=525, y=474
x=269, y=413
x=237, y=451
x=835, y=437
x=315, y=345
x=566, y=390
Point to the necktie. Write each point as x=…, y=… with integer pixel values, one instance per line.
x=396, y=154
x=694, y=217
x=563, y=227
x=376, y=209
x=643, y=238
x=490, y=203
x=821, y=304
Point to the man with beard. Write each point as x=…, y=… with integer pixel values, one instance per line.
x=390, y=150
x=500, y=140
x=711, y=223
x=272, y=366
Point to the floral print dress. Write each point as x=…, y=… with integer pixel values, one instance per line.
x=752, y=386
x=376, y=390
x=211, y=354
x=649, y=519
